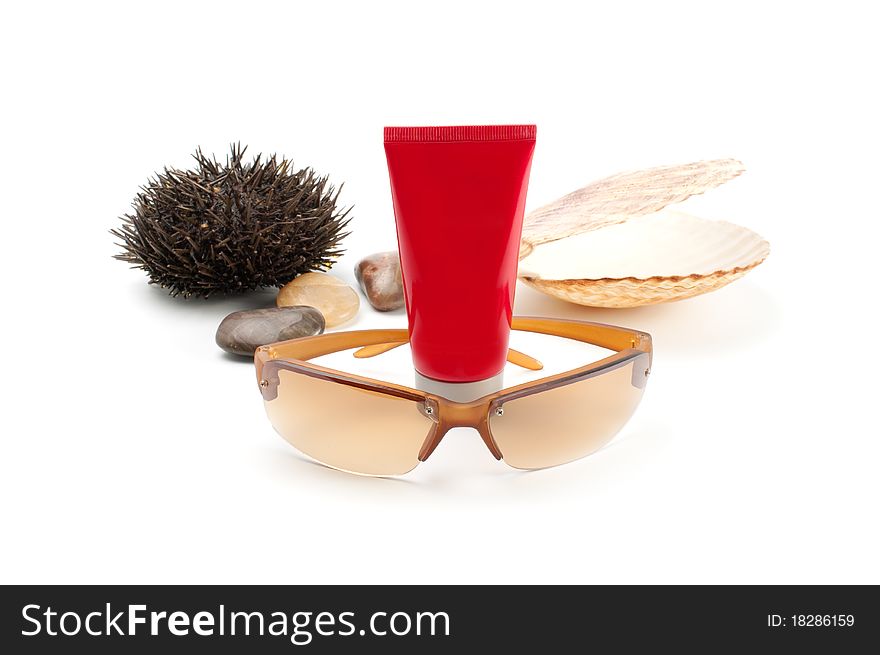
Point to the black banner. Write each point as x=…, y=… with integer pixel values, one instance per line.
x=113, y=619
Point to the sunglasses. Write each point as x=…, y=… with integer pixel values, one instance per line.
x=367, y=426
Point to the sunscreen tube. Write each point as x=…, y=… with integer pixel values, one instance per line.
x=459, y=194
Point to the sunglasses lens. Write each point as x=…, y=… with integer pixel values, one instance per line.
x=568, y=422
x=347, y=427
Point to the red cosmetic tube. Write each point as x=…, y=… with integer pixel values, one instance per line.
x=459, y=195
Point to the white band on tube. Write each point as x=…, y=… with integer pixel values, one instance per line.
x=460, y=392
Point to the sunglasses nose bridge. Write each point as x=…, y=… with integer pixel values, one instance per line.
x=460, y=415
x=457, y=415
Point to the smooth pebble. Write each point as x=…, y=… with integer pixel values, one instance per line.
x=243, y=332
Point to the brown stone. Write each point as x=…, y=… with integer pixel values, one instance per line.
x=337, y=301
x=243, y=332
x=380, y=280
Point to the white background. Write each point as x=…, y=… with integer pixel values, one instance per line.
x=133, y=450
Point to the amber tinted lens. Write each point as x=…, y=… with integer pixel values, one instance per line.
x=567, y=422
x=346, y=427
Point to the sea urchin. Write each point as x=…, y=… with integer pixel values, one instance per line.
x=226, y=228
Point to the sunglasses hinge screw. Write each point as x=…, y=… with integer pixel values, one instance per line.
x=429, y=410
x=499, y=411
x=264, y=383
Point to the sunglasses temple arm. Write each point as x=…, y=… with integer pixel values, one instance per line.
x=513, y=356
x=523, y=360
x=377, y=349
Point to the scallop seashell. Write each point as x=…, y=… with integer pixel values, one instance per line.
x=620, y=197
x=616, y=242
x=664, y=256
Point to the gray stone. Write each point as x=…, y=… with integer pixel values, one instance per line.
x=380, y=280
x=242, y=332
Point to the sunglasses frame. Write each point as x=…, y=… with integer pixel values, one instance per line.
x=292, y=355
